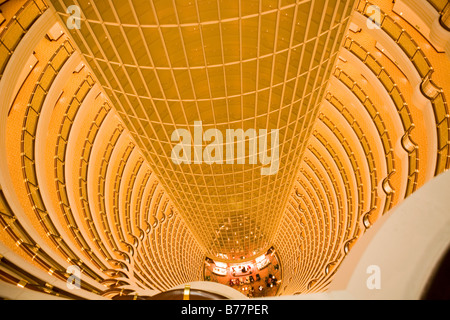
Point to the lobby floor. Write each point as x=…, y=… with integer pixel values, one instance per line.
x=267, y=286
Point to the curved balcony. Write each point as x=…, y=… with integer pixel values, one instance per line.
x=15, y=30
x=398, y=100
x=424, y=68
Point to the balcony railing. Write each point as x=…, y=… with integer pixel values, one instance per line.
x=399, y=102
x=401, y=37
x=17, y=27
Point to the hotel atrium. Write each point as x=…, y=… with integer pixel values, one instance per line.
x=349, y=98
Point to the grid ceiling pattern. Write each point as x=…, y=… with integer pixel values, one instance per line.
x=232, y=65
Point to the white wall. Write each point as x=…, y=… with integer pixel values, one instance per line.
x=406, y=244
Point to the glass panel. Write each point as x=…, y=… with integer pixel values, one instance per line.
x=370, y=108
x=38, y=98
x=406, y=119
x=115, y=137
x=358, y=130
x=28, y=16
x=358, y=51
x=443, y=136
x=13, y=36
x=347, y=116
x=84, y=170
x=440, y=110
x=36, y=196
x=30, y=174
x=361, y=6
x=59, y=169
x=61, y=150
x=359, y=93
x=41, y=4
x=4, y=206
x=73, y=109
x=63, y=194
x=407, y=44
x=65, y=129
x=31, y=121
x=389, y=162
x=69, y=48
x=438, y=4
x=410, y=187
x=386, y=80
x=442, y=159
x=59, y=59
x=365, y=146
x=412, y=167
x=336, y=103
x=28, y=145
x=87, y=150
x=348, y=82
x=4, y=57
x=47, y=78
x=347, y=43
x=379, y=124
x=82, y=92
x=397, y=98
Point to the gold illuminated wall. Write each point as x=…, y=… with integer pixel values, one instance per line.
x=382, y=132
x=232, y=65
x=76, y=191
